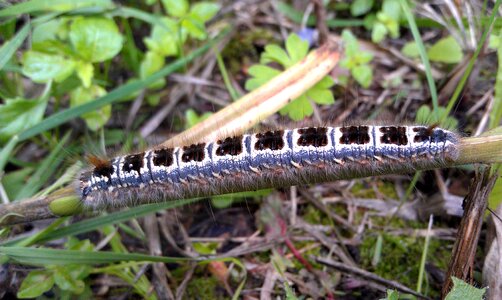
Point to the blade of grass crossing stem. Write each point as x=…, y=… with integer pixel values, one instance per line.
x=468, y=70
x=9, y=48
x=129, y=12
x=116, y=94
x=30, y=239
x=424, y=256
x=221, y=65
x=7, y=150
x=423, y=55
x=46, y=168
x=44, y=256
x=44, y=5
x=496, y=112
x=297, y=17
x=377, y=255
x=103, y=220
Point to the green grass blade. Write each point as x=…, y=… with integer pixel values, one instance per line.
x=423, y=55
x=50, y=5
x=44, y=171
x=129, y=12
x=423, y=259
x=297, y=17
x=468, y=70
x=43, y=256
x=221, y=65
x=115, y=95
x=103, y=220
x=5, y=152
x=9, y=48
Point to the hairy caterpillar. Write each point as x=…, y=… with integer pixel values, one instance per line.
x=262, y=160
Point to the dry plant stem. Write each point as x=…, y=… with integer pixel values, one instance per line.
x=159, y=280
x=486, y=150
x=256, y=106
x=464, y=251
x=320, y=13
x=358, y=272
x=33, y=209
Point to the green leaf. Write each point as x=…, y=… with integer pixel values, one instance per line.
x=204, y=11
x=426, y=116
x=495, y=198
x=193, y=118
x=194, y=28
x=152, y=62
x=164, y=38
x=446, y=50
x=351, y=44
x=363, y=74
x=362, y=57
x=360, y=7
x=19, y=114
x=462, y=290
x=423, y=115
x=261, y=75
x=392, y=8
x=274, y=53
x=76, y=244
x=494, y=42
x=297, y=48
x=176, y=8
x=379, y=32
x=44, y=256
x=35, y=284
x=9, y=47
x=42, y=67
x=391, y=295
x=320, y=96
x=51, y=30
x=120, y=93
x=325, y=83
x=298, y=109
x=65, y=281
x=496, y=112
x=94, y=119
x=85, y=71
x=95, y=39
x=410, y=49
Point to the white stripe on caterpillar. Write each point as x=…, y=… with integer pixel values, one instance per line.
x=263, y=160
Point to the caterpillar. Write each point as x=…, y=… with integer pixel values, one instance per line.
x=274, y=158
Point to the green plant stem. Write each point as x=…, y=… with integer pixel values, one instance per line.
x=423, y=56
x=117, y=94
x=468, y=70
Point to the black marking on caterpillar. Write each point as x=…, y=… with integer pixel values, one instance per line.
x=268, y=159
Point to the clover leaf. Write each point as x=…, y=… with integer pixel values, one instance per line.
x=42, y=67
x=425, y=116
x=296, y=50
x=97, y=118
x=95, y=39
x=35, y=284
x=19, y=114
x=357, y=61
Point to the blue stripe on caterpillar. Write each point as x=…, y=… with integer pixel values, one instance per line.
x=267, y=159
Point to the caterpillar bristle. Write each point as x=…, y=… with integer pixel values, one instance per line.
x=98, y=162
x=273, y=158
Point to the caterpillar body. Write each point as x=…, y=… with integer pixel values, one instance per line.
x=262, y=160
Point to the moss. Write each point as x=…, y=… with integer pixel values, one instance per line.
x=400, y=257
x=243, y=49
x=314, y=216
x=201, y=287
